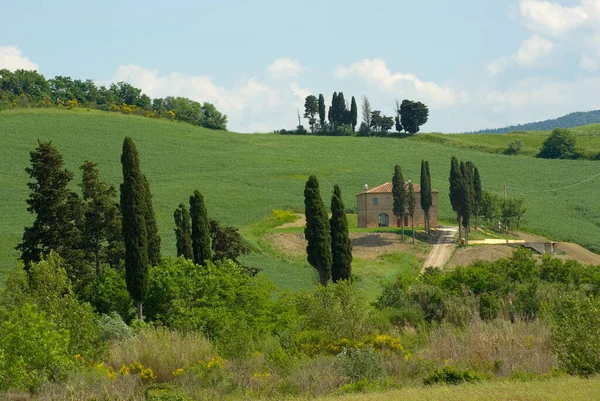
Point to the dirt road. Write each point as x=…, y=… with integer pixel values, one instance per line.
x=442, y=250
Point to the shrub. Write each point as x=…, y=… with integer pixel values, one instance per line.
x=514, y=147
x=108, y=293
x=112, y=327
x=559, y=145
x=360, y=364
x=451, y=375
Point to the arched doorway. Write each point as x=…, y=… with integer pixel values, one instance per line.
x=384, y=220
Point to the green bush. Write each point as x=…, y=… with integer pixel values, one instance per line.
x=559, y=145
x=514, y=147
x=360, y=364
x=112, y=327
x=451, y=375
x=108, y=293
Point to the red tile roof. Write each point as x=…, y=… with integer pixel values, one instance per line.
x=387, y=189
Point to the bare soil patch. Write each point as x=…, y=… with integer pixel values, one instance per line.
x=466, y=256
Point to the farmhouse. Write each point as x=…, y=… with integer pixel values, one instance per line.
x=375, y=207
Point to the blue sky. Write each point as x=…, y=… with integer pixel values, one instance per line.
x=476, y=64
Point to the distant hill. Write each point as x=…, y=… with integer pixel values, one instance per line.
x=569, y=121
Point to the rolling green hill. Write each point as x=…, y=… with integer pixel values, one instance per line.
x=588, y=140
x=570, y=120
x=245, y=177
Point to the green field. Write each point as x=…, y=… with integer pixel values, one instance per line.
x=588, y=140
x=245, y=177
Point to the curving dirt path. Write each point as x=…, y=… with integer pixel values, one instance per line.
x=441, y=251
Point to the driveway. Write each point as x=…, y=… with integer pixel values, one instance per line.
x=442, y=250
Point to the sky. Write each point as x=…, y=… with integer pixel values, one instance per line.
x=476, y=64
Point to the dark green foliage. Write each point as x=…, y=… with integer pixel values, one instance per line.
x=511, y=212
x=451, y=375
x=341, y=245
x=108, y=293
x=200, y=229
x=317, y=231
x=399, y=195
x=469, y=198
x=413, y=115
x=311, y=108
x=381, y=124
x=477, y=194
x=411, y=203
x=151, y=226
x=226, y=242
x=426, y=197
x=55, y=207
x=183, y=232
x=559, y=145
x=353, y=114
x=322, y=111
x=457, y=191
x=102, y=235
x=135, y=228
x=332, y=113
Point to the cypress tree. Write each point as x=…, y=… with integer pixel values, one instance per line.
x=135, y=234
x=151, y=227
x=399, y=195
x=410, y=205
x=478, y=194
x=200, y=229
x=317, y=231
x=467, y=209
x=341, y=246
x=56, y=208
x=333, y=111
x=183, y=232
x=353, y=114
x=322, y=111
x=426, y=197
x=456, y=192
x=340, y=113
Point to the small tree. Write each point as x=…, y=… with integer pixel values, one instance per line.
x=226, y=242
x=413, y=115
x=366, y=112
x=311, y=108
x=317, y=231
x=512, y=210
x=353, y=114
x=322, y=111
x=426, y=197
x=559, y=145
x=183, y=232
x=410, y=205
x=133, y=210
x=341, y=245
x=399, y=195
x=489, y=208
x=200, y=229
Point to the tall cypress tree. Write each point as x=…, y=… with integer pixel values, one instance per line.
x=399, y=195
x=478, y=194
x=340, y=112
x=353, y=114
x=200, y=229
x=467, y=209
x=317, y=231
x=456, y=192
x=183, y=232
x=135, y=234
x=411, y=202
x=322, y=111
x=333, y=111
x=56, y=208
x=426, y=197
x=341, y=245
x=151, y=227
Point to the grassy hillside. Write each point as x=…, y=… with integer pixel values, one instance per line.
x=570, y=120
x=244, y=177
x=588, y=140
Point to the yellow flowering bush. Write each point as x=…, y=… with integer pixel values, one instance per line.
x=314, y=343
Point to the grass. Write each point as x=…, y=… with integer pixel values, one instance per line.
x=245, y=177
x=557, y=389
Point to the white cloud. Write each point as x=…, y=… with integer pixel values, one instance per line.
x=11, y=59
x=376, y=73
x=531, y=50
x=554, y=19
x=588, y=63
x=285, y=68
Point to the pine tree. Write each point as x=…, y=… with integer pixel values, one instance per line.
x=322, y=111
x=478, y=195
x=456, y=192
x=341, y=245
x=426, y=196
x=135, y=234
x=317, y=231
x=399, y=195
x=183, y=232
x=353, y=114
x=151, y=227
x=56, y=208
x=411, y=202
x=102, y=235
x=200, y=229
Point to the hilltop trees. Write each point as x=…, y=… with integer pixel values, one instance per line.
x=183, y=232
x=200, y=229
x=341, y=245
x=413, y=115
x=317, y=231
x=322, y=111
x=56, y=208
x=399, y=195
x=311, y=108
x=559, y=145
x=353, y=114
x=426, y=197
x=135, y=228
x=366, y=111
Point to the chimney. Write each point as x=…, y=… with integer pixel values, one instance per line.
x=366, y=187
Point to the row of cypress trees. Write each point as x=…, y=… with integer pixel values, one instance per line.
x=193, y=242
x=465, y=193
x=329, y=249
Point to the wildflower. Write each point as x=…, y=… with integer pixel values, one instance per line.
x=177, y=372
